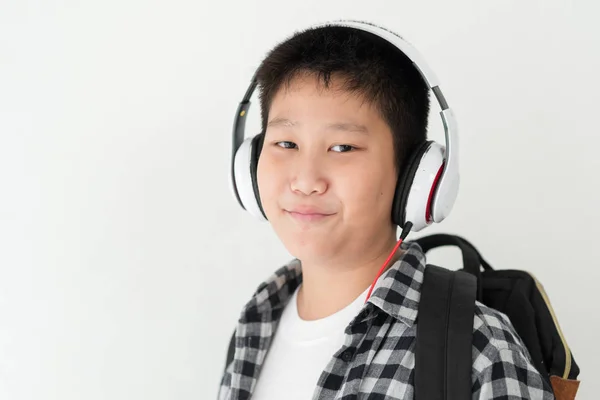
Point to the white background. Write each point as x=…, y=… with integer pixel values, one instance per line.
x=124, y=260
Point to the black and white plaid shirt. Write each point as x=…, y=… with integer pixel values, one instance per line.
x=378, y=359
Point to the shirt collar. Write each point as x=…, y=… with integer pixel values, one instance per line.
x=397, y=291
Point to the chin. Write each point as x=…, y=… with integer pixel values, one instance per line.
x=305, y=239
x=307, y=245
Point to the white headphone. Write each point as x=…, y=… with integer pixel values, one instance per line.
x=427, y=186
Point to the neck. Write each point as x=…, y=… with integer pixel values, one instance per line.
x=329, y=287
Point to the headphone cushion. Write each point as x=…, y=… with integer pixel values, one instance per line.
x=245, y=167
x=257, y=144
x=405, y=182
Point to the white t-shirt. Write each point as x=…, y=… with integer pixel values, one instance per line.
x=301, y=350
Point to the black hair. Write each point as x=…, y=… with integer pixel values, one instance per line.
x=370, y=67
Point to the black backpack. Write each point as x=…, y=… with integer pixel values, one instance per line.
x=516, y=293
x=445, y=324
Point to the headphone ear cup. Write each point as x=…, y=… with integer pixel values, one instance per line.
x=421, y=196
x=245, y=167
x=405, y=182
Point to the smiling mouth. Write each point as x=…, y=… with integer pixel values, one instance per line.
x=307, y=217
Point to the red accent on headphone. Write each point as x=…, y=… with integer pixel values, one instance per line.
x=428, y=217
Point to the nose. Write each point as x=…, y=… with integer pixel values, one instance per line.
x=309, y=176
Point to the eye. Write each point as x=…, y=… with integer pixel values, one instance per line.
x=343, y=148
x=286, y=144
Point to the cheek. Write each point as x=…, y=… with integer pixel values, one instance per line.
x=367, y=191
x=268, y=181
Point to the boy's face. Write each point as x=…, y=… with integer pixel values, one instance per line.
x=326, y=173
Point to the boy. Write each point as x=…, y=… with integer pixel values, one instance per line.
x=342, y=111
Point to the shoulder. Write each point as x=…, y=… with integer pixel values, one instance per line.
x=502, y=366
x=492, y=331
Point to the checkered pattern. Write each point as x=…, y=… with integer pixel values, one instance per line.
x=378, y=358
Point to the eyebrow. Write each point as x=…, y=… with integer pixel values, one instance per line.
x=337, y=126
x=278, y=121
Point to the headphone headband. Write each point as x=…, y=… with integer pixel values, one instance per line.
x=393, y=38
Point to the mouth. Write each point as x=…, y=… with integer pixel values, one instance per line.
x=307, y=216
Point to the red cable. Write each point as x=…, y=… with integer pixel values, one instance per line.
x=383, y=267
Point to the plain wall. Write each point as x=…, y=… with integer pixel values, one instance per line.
x=125, y=260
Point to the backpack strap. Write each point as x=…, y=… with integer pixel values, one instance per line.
x=230, y=351
x=445, y=335
x=472, y=259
